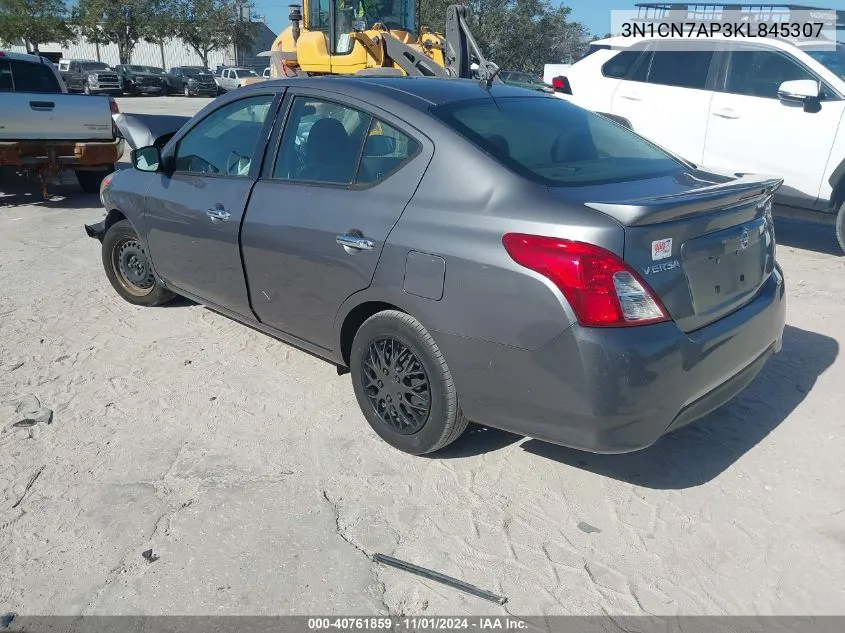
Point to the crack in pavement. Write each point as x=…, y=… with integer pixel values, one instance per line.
x=381, y=588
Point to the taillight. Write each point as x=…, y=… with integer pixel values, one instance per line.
x=115, y=109
x=561, y=84
x=601, y=288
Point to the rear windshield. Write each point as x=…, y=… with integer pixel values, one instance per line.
x=553, y=142
x=19, y=76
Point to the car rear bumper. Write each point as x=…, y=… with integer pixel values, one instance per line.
x=617, y=390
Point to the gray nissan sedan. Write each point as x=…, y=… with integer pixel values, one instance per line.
x=465, y=251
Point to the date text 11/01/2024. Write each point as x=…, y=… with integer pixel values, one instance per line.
x=416, y=624
x=739, y=30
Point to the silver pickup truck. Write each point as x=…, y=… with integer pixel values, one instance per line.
x=44, y=130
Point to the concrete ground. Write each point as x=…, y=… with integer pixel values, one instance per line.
x=248, y=469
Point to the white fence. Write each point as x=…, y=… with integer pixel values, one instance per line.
x=175, y=52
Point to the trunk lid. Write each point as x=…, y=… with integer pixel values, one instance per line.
x=705, y=248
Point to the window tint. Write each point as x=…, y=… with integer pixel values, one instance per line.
x=685, y=69
x=551, y=141
x=225, y=141
x=385, y=150
x=33, y=77
x=759, y=73
x=618, y=66
x=6, y=84
x=321, y=142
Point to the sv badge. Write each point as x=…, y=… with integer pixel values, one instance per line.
x=661, y=268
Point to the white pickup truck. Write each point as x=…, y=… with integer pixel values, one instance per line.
x=44, y=130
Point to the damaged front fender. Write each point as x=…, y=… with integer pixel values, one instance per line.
x=96, y=231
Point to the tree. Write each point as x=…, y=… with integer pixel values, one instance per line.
x=515, y=34
x=161, y=25
x=35, y=22
x=209, y=25
x=120, y=22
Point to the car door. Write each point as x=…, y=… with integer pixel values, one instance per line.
x=319, y=215
x=750, y=129
x=667, y=96
x=74, y=77
x=193, y=211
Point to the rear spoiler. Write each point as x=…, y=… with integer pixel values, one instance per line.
x=657, y=209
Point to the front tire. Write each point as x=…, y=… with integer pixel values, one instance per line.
x=840, y=226
x=187, y=91
x=403, y=385
x=86, y=88
x=128, y=267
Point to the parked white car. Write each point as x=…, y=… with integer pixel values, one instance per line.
x=231, y=78
x=767, y=107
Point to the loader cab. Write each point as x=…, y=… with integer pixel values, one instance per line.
x=338, y=19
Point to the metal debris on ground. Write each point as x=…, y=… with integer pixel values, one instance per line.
x=433, y=575
x=32, y=412
x=148, y=554
x=29, y=485
x=586, y=527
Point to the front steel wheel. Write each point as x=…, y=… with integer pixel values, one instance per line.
x=128, y=267
x=403, y=385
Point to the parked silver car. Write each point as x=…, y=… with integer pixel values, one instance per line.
x=467, y=252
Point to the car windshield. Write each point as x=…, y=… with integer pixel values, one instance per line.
x=555, y=143
x=834, y=60
x=523, y=77
x=94, y=66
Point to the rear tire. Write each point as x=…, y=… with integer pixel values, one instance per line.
x=128, y=267
x=90, y=180
x=403, y=385
x=840, y=226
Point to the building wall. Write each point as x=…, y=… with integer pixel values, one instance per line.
x=176, y=53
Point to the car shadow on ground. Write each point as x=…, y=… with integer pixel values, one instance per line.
x=701, y=451
x=62, y=194
x=811, y=236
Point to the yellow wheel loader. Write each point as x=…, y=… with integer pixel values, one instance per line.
x=375, y=38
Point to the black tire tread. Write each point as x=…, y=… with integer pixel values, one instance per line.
x=840, y=226
x=456, y=423
x=159, y=296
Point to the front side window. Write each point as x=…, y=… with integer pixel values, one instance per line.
x=759, y=73
x=225, y=141
x=240, y=74
x=555, y=143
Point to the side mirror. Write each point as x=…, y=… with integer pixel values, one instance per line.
x=799, y=90
x=147, y=158
x=379, y=145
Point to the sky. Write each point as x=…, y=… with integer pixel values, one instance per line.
x=594, y=14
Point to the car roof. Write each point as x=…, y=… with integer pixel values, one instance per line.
x=620, y=42
x=23, y=57
x=417, y=92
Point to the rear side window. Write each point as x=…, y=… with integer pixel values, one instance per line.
x=18, y=76
x=684, y=69
x=618, y=66
x=555, y=143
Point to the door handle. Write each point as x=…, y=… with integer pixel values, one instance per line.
x=355, y=241
x=218, y=214
x=42, y=105
x=726, y=113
